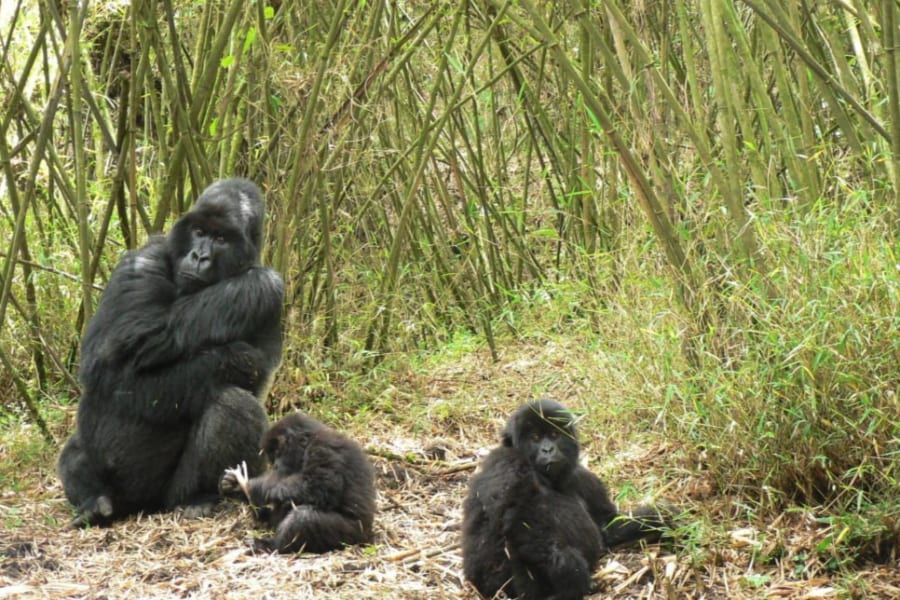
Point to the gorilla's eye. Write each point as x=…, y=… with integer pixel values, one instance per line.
x=553, y=434
x=535, y=436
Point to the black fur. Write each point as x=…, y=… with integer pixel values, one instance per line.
x=181, y=348
x=535, y=522
x=319, y=494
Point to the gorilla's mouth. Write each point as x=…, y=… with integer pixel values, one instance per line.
x=190, y=282
x=553, y=466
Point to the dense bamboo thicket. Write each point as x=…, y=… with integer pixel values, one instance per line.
x=727, y=171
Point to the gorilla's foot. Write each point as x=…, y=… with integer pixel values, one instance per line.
x=264, y=545
x=198, y=509
x=95, y=511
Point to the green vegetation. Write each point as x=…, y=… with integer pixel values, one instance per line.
x=703, y=194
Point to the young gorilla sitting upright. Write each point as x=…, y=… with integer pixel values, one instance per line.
x=319, y=493
x=535, y=521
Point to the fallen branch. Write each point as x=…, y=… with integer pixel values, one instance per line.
x=419, y=553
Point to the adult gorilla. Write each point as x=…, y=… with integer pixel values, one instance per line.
x=535, y=522
x=174, y=363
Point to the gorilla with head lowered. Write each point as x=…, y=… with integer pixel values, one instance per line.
x=174, y=364
x=535, y=522
x=319, y=494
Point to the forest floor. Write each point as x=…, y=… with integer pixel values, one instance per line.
x=424, y=453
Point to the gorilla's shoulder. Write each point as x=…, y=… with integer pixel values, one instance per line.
x=151, y=259
x=265, y=280
x=273, y=278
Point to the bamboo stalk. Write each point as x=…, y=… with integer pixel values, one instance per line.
x=891, y=38
x=73, y=48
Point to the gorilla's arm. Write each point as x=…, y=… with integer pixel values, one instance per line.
x=233, y=309
x=180, y=392
x=506, y=479
x=320, y=483
x=595, y=495
x=257, y=487
x=274, y=488
x=135, y=308
x=644, y=523
x=245, y=307
x=164, y=394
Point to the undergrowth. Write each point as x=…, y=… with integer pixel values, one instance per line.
x=804, y=410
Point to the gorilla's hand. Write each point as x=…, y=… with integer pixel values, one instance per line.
x=228, y=485
x=234, y=481
x=242, y=365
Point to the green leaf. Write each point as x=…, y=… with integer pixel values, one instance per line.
x=545, y=233
x=251, y=37
x=456, y=64
x=757, y=579
x=594, y=121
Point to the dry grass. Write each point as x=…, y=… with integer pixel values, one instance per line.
x=423, y=465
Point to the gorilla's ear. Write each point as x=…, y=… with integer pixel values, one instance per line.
x=508, y=437
x=273, y=443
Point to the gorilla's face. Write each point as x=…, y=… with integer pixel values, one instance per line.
x=286, y=442
x=544, y=432
x=209, y=245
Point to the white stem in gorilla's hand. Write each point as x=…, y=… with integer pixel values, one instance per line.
x=240, y=473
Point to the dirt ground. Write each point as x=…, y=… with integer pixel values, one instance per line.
x=424, y=463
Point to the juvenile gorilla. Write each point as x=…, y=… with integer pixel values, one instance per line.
x=174, y=362
x=535, y=522
x=319, y=494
